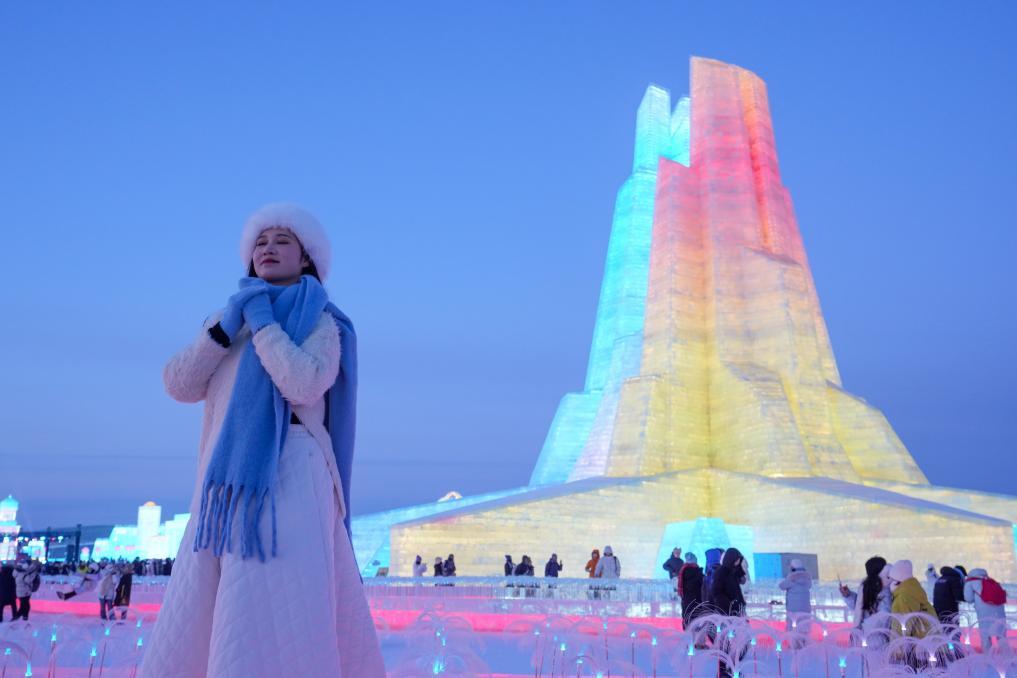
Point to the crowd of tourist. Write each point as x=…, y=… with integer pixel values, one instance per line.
x=111, y=579
x=887, y=589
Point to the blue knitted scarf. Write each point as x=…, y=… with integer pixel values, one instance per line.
x=242, y=474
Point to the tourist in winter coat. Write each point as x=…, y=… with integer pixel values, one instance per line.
x=910, y=598
x=8, y=591
x=439, y=567
x=948, y=594
x=872, y=601
x=797, y=587
x=727, y=584
x=690, y=589
x=265, y=582
x=591, y=564
x=89, y=579
x=553, y=567
x=122, y=597
x=608, y=567
x=712, y=564
x=510, y=567
x=524, y=568
x=26, y=579
x=109, y=578
x=419, y=568
x=991, y=618
x=673, y=564
x=448, y=568
x=931, y=576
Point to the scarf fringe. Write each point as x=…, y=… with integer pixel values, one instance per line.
x=219, y=505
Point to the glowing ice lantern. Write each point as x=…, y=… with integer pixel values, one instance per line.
x=653, y=641
x=692, y=650
x=780, y=647
x=93, y=652
x=753, y=641
x=139, y=641
x=28, y=669
x=842, y=663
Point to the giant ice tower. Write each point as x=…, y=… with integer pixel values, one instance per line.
x=712, y=393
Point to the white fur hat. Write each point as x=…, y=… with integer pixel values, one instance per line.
x=902, y=570
x=797, y=564
x=304, y=225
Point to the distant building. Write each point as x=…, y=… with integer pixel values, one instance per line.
x=9, y=528
x=149, y=538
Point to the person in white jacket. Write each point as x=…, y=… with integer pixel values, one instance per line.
x=991, y=618
x=109, y=578
x=227, y=614
x=419, y=567
x=797, y=587
x=608, y=567
x=26, y=578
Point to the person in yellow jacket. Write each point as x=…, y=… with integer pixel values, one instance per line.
x=908, y=598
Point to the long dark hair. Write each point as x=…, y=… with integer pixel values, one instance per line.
x=872, y=585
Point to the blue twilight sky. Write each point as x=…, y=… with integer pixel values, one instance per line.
x=465, y=157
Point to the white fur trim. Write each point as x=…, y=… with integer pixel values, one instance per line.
x=304, y=225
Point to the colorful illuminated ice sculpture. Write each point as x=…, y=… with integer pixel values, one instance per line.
x=712, y=389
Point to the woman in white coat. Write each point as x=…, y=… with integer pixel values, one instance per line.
x=276, y=369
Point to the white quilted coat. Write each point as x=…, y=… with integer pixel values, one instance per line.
x=302, y=613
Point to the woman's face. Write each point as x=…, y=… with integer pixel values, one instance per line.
x=278, y=257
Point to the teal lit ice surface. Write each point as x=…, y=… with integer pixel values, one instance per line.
x=696, y=536
x=618, y=331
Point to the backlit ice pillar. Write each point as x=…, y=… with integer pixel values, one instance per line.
x=617, y=338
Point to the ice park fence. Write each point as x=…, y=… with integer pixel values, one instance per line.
x=561, y=628
x=639, y=598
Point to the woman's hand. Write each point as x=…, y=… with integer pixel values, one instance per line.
x=258, y=312
x=233, y=317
